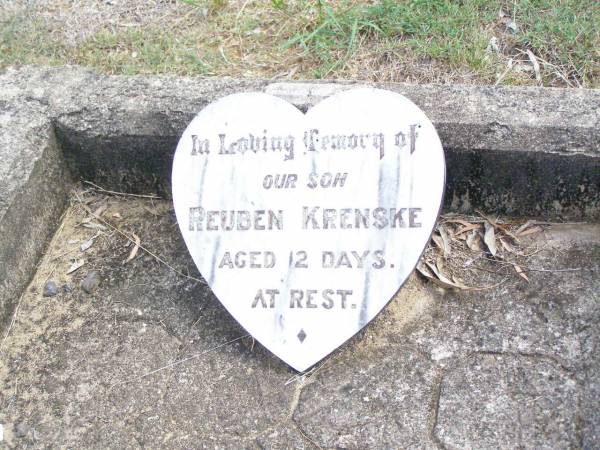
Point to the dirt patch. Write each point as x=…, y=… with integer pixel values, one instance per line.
x=151, y=358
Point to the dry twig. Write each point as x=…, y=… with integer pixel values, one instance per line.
x=181, y=361
x=123, y=194
x=133, y=241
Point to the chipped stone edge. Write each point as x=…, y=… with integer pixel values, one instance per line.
x=30, y=220
x=511, y=151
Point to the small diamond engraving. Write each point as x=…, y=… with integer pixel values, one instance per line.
x=301, y=336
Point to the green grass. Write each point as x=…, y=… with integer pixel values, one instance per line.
x=133, y=51
x=416, y=24
x=563, y=33
x=25, y=41
x=144, y=51
x=381, y=40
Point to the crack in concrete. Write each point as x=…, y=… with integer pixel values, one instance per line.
x=154, y=321
x=289, y=416
x=563, y=364
x=288, y=419
x=455, y=362
x=434, y=408
x=298, y=428
x=306, y=381
x=579, y=419
x=296, y=397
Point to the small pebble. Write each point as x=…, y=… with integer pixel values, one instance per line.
x=90, y=282
x=67, y=287
x=50, y=289
x=21, y=430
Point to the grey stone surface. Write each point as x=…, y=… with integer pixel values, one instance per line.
x=50, y=289
x=33, y=186
x=377, y=397
x=526, y=151
x=21, y=430
x=124, y=131
x=508, y=401
x=507, y=368
x=153, y=360
x=91, y=282
x=520, y=151
x=517, y=118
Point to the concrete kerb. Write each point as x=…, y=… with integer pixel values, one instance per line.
x=514, y=151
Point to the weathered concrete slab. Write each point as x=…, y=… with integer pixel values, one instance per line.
x=34, y=179
x=508, y=401
x=514, y=366
x=524, y=151
x=518, y=151
x=33, y=186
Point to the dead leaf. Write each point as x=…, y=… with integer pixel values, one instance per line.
x=440, y=279
x=498, y=226
x=490, y=238
x=530, y=231
x=457, y=281
x=437, y=240
x=508, y=232
x=94, y=226
x=536, y=65
x=520, y=272
x=508, y=246
x=100, y=209
x=459, y=221
x=523, y=227
x=78, y=263
x=468, y=227
x=427, y=274
x=87, y=244
x=440, y=263
x=446, y=241
x=424, y=271
x=438, y=273
x=135, y=248
x=474, y=241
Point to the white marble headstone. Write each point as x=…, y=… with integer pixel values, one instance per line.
x=306, y=225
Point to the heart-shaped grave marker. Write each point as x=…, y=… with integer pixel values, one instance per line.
x=306, y=225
